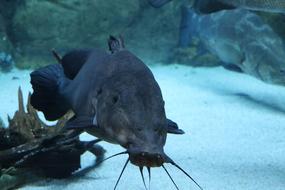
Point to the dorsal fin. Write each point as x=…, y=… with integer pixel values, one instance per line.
x=56, y=56
x=116, y=44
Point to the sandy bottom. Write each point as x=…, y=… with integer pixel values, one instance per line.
x=235, y=134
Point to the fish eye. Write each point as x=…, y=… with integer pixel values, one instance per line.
x=156, y=130
x=159, y=130
x=115, y=99
x=99, y=91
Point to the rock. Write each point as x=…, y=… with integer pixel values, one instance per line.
x=7, y=9
x=6, y=62
x=8, y=180
x=12, y=178
x=192, y=57
x=5, y=43
x=154, y=32
x=39, y=26
x=180, y=49
x=243, y=39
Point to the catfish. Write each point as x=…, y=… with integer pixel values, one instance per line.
x=114, y=97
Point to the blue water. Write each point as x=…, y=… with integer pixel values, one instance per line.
x=233, y=121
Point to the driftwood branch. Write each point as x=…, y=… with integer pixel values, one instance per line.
x=29, y=145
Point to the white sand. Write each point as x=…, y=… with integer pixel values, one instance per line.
x=230, y=142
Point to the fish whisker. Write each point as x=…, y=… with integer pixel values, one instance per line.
x=121, y=173
x=149, y=177
x=170, y=177
x=57, y=56
x=141, y=171
x=120, y=153
x=177, y=166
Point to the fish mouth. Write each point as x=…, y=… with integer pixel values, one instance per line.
x=147, y=159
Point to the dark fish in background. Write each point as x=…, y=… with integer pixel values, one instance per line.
x=242, y=39
x=185, y=27
x=158, y=3
x=211, y=6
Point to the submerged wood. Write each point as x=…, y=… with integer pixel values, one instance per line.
x=26, y=126
x=28, y=140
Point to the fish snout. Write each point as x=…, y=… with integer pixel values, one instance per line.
x=147, y=159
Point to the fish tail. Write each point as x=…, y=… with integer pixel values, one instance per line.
x=47, y=83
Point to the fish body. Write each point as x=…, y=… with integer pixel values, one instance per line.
x=241, y=38
x=211, y=6
x=158, y=3
x=115, y=97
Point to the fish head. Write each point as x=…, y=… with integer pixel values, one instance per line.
x=266, y=61
x=130, y=110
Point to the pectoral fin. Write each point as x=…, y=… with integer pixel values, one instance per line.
x=172, y=128
x=81, y=122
